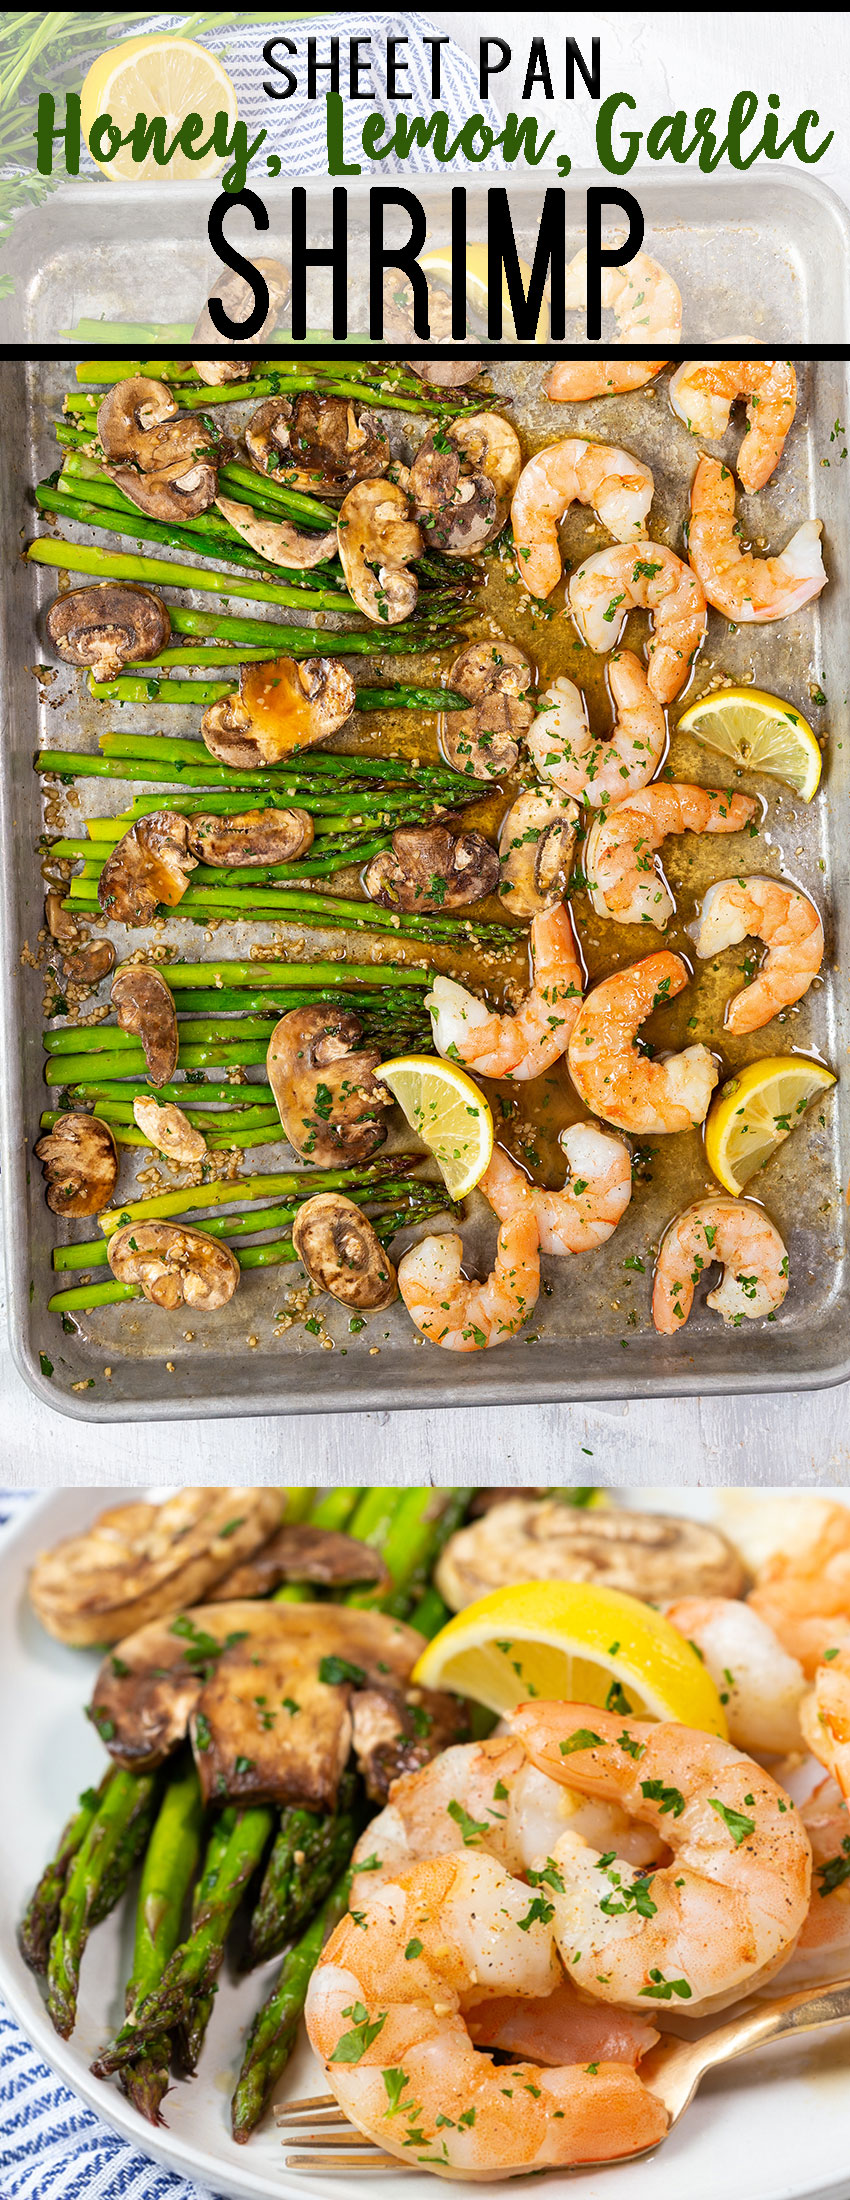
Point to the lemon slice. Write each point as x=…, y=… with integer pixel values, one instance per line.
x=760, y=733
x=449, y=1114
x=439, y=262
x=157, y=75
x=756, y=1111
x=573, y=1641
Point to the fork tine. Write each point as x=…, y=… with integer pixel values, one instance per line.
x=329, y=2140
x=324, y=2118
x=367, y=2161
x=311, y=2100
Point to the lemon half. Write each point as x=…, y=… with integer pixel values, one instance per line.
x=759, y=733
x=439, y=262
x=157, y=75
x=756, y=1111
x=448, y=1112
x=575, y=1642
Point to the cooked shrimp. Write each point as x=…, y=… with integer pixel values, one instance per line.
x=386, y=2014
x=527, y=1043
x=789, y=924
x=760, y=1686
x=643, y=298
x=574, y=379
x=742, y=586
x=650, y=577
x=596, y=771
x=804, y=1594
x=561, y=2029
x=718, y=1920
x=622, y=878
x=825, y=1717
x=618, y=486
x=467, y=1317
x=593, y=1201
x=823, y=1949
x=753, y=1256
x=703, y=392
x=623, y=1085
x=488, y=1796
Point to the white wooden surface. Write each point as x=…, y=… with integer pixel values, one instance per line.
x=666, y=59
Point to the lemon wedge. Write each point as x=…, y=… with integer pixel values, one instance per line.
x=439, y=262
x=449, y=1114
x=157, y=75
x=759, y=733
x=573, y=1641
x=756, y=1111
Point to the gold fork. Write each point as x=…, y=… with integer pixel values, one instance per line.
x=672, y=2071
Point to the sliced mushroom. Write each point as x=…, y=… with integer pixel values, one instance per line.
x=279, y=540
x=536, y=851
x=162, y=458
x=169, y=1130
x=174, y=1266
x=282, y=705
x=395, y=1731
x=252, y=836
x=138, y=1561
x=237, y=298
x=84, y=960
x=430, y=868
x=145, y=1006
x=315, y=442
x=150, y=865
x=446, y=374
x=484, y=741
x=342, y=1253
x=377, y=539
x=111, y=624
x=462, y=481
x=328, y=1098
x=302, y=1553
x=649, y=1555
x=80, y=1161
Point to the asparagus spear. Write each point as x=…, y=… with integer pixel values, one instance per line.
x=97, y=1878
x=325, y=911
x=193, y=1968
x=94, y=511
x=93, y=1252
x=274, y=2031
x=198, y=694
x=42, y=1913
x=167, y=1874
x=308, y=1853
x=77, y=557
x=192, y=2032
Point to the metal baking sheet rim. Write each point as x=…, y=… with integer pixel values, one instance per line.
x=475, y=1382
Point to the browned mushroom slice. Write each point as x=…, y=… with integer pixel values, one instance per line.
x=138, y=1561
x=305, y=1554
x=446, y=374
x=649, y=1555
x=315, y=442
x=224, y=1668
x=174, y=1266
x=279, y=540
x=237, y=298
x=150, y=865
x=462, y=480
x=282, y=705
x=169, y=1130
x=84, y=960
x=145, y=1007
x=377, y=539
x=342, y=1253
x=80, y=1160
x=139, y=422
x=396, y=1730
x=111, y=624
x=484, y=741
x=536, y=851
x=323, y=1079
x=252, y=836
x=430, y=868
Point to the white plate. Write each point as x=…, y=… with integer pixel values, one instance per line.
x=777, y=2127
